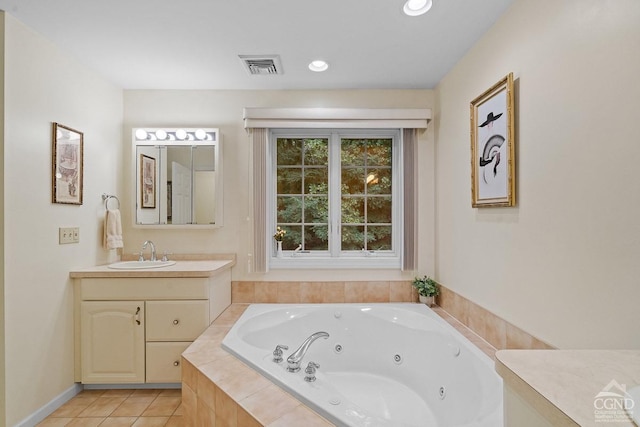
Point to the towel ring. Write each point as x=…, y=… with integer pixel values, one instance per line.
x=107, y=197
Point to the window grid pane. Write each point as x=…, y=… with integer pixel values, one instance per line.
x=366, y=211
x=302, y=187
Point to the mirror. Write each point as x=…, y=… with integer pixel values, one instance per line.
x=178, y=177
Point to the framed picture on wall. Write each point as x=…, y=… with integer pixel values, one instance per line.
x=67, y=162
x=493, y=146
x=147, y=182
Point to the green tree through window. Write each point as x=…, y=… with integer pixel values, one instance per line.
x=306, y=179
x=302, y=192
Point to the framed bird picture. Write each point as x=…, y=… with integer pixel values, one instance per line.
x=493, y=146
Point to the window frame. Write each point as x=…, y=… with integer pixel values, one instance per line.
x=334, y=257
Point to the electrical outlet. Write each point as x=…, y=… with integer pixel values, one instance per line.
x=68, y=235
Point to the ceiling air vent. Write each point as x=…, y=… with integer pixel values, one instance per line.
x=262, y=64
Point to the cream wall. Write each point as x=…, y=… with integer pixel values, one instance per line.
x=223, y=109
x=564, y=264
x=43, y=85
x=2, y=204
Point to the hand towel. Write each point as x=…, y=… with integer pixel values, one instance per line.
x=112, y=230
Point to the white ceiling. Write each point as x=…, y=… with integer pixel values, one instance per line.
x=194, y=44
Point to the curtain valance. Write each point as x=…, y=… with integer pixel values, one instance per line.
x=342, y=118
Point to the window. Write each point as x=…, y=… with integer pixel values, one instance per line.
x=336, y=194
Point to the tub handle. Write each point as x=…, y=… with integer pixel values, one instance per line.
x=277, y=353
x=310, y=372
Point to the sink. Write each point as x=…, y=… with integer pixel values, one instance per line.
x=138, y=265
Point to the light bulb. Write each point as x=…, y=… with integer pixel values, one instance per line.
x=141, y=134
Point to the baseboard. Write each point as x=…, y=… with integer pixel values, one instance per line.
x=50, y=407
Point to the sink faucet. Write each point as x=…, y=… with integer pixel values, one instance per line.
x=296, y=357
x=153, y=249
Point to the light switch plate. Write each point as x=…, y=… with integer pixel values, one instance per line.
x=68, y=235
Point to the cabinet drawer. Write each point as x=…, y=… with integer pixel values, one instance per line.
x=163, y=361
x=176, y=320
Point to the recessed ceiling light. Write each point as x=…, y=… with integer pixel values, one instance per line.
x=318, y=66
x=417, y=7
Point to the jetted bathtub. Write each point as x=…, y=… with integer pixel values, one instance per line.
x=382, y=364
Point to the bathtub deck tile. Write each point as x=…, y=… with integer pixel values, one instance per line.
x=269, y=404
x=240, y=386
x=221, y=369
x=300, y=416
x=230, y=315
x=214, y=333
x=209, y=356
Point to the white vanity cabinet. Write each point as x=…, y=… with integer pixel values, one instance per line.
x=112, y=336
x=134, y=329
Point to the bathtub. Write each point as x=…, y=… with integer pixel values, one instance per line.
x=382, y=364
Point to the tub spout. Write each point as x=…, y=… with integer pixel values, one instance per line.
x=296, y=357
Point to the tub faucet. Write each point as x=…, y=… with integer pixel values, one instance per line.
x=153, y=250
x=296, y=357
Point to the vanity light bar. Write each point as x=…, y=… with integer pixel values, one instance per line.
x=177, y=135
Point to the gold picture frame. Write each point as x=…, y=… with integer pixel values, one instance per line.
x=147, y=182
x=67, y=165
x=493, y=146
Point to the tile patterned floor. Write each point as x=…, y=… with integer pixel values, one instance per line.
x=116, y=408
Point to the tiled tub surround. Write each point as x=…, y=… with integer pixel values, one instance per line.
x=220, y=390
x=360, y=380
x=496, y=331
x=323, y=292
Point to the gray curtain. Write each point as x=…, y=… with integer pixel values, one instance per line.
x=258, y=137
x=410, y=155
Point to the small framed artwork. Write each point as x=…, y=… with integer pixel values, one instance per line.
x=67, y=165
x=147, y=182
x=493, y=146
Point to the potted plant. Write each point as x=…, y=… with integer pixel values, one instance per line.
x=280, y=233
x=427, y=289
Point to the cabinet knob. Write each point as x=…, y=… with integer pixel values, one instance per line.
x=137, y=315
x=176, y=321
x=176, y=363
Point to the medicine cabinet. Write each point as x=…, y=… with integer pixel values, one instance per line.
x=177, y=177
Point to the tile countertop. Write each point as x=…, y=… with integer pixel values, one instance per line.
x=562, y=384
x=182, y=268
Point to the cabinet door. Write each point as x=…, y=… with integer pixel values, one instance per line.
x=163, y=361
x=176, y=320
x=112, y=341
